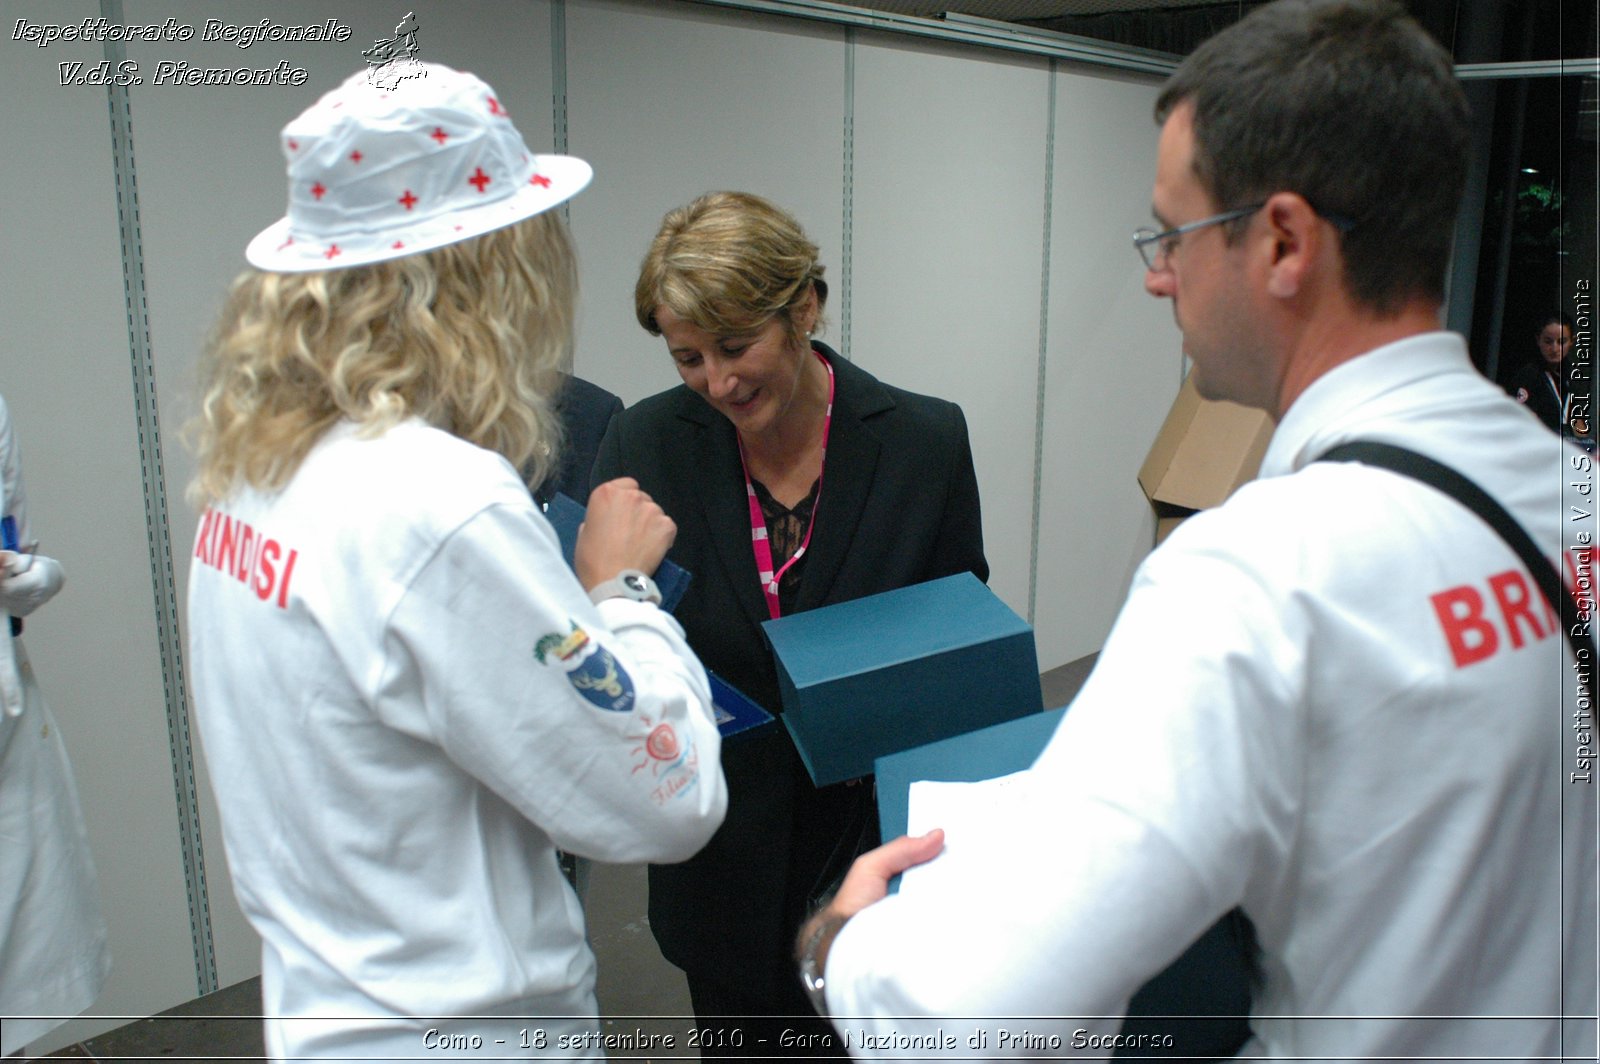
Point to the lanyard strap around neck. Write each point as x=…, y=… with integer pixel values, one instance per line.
x=758, y=521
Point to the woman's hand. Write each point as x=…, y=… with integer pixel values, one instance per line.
x=624, y=529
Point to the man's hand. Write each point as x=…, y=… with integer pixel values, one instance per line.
x=868, y=879
x=867, y=883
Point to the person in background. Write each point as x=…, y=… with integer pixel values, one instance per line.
x=1542, y=384
x=1338, y=701
x=407, y=699
x=797, y=479
x=53, y=953
x=585, y=411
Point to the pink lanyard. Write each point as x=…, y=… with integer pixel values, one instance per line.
x=758, y=521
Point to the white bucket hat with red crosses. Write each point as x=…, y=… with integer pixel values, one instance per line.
x=378, y=174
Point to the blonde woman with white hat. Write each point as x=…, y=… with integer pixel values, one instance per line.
x=407, y=700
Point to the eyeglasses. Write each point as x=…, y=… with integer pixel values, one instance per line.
x=1155, y=248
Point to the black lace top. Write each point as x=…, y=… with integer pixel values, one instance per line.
x=786, y=530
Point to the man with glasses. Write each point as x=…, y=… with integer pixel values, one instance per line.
x=1339, y=701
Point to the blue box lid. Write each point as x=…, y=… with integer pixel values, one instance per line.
x=905, y=624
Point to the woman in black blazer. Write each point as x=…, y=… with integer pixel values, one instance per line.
x=875, y=496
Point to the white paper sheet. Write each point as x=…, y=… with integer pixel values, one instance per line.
x=963, y=810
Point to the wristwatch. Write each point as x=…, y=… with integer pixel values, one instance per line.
x=630, y=584
x=814, y=959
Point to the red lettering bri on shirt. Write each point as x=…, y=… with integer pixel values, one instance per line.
x=1515, y=601
x=1475, y=633
x=1460, y=613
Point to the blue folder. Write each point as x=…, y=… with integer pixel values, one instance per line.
x=565, y=514
x=736, y=711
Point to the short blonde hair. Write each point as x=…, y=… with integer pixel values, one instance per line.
x=470, y=338
x=728, y=262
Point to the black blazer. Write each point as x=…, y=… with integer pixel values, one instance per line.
x=1533, y=388
x=899, y=505
x=585, y=411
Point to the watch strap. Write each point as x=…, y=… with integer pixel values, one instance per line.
x=629, y=584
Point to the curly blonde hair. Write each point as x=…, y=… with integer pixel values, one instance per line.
x=728, y=262
x=471, y=338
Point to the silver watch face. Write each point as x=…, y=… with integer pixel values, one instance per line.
x=635, y=583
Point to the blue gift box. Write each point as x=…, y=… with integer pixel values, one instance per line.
x=1201, y=1002
x=981, y=755
x=888, y=672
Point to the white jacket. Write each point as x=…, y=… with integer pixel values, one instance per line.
x=53, y=953
x=408, y=703
x=1336, y=701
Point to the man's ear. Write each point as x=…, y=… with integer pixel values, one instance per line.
x=1295, y=241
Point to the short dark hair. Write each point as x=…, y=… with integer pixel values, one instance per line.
x=1555, y=317
x=1350, y=104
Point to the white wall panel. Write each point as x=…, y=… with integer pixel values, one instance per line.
x=668, y=101
x=1113, y=364
x=65, y=373
x=949, y=216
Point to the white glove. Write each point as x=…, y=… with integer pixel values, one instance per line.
x=28, y=581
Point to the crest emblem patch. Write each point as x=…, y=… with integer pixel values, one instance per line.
x=591, y=669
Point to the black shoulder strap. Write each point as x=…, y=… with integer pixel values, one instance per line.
x=1421, y=467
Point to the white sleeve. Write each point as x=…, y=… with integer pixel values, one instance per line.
x=594, y=722
x=1172, y=778
x=27, y=582
x=14, y=497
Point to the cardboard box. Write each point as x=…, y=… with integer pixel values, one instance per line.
x=1203, y=452
x=869, y=677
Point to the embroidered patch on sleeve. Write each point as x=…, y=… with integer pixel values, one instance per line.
x=591, y=669
x=674, y=765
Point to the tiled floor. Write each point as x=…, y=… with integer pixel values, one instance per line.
x=637, y=989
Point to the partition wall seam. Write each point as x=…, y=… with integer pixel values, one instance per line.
x=847, y=231
x=967, y=30
x=558, y=87
x=1044, y=341
x=157, y=528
